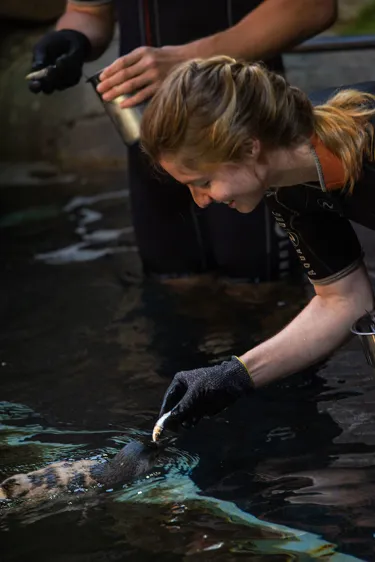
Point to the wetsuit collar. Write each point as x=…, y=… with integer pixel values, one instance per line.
x=331, y=167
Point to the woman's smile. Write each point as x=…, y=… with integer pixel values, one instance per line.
x=238, y=187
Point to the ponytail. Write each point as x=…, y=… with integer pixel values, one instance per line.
x=343, y=125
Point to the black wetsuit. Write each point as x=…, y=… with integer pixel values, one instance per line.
x=174, y=236
x=318, y=221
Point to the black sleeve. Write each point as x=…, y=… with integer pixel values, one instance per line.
x=324, y=240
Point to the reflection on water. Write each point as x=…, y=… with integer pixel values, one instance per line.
x=86, y=352
x=24, y=436
x=87, y=249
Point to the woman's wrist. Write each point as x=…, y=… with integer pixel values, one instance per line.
x=246, y=367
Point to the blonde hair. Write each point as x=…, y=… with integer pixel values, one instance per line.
x=209, y=111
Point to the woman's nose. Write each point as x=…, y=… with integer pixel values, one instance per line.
x=201, y=198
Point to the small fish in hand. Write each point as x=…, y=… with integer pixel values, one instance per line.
x=37, y=74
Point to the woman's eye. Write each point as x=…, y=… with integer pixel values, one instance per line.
x=203, y=184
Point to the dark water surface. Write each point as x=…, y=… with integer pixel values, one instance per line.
x=87, y=349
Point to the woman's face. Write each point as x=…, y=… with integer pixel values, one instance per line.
x=240, y=186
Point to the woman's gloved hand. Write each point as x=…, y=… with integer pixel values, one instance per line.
x=205, y=392
x=64, y=52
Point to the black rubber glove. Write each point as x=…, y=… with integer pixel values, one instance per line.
x=64, y=52
x=204, y=392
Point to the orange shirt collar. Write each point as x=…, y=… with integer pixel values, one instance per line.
x=331, y=165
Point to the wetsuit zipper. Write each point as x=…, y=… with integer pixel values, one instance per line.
x=319, y=169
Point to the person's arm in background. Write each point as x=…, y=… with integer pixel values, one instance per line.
x=272, y=27
x=82, y=33
x=320, y=328
x=96, y=22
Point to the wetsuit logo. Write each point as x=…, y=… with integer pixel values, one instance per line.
x=294, y=239
x=326, y=205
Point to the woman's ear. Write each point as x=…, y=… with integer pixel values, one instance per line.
x=256, y=149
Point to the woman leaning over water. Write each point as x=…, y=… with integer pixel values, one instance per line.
x=234, y=133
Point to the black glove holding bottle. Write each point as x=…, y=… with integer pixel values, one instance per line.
x=195, y=394
x=63, y=53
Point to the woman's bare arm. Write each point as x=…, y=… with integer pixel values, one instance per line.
x=322, y=326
